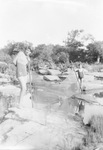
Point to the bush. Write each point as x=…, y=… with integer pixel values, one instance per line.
x=11, y=70
x=3, y=67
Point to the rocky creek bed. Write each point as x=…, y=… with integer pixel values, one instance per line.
x=52, y=123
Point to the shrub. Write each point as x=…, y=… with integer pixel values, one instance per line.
x=3, y=67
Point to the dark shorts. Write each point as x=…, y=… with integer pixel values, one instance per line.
x=21, y=70
x=80, y=75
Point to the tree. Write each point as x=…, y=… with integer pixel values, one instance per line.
x=38, y=50
x=42, y=55
x=4, y=57
x=72, y=42
x=87, y=38
x=95, y=50
x=60, y=55
x=7, y=51
x=99, y=49
x=76, y=43
x=10, y=47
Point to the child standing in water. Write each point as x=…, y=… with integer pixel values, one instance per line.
x=80, y=75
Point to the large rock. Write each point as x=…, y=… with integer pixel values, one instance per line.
x=53, y=72
x=32, y=134
x=98, y=74
x=4, y=80
x=1, y=75
x=51, y=78
x=9, y=90
x=63, y=77
x=43, y=71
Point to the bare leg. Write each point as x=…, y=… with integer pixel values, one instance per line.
x=23, y=82
x=81, y=84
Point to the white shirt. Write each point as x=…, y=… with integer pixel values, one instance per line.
x=20, y=58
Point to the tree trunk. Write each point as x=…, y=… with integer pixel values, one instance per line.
x=98, y=60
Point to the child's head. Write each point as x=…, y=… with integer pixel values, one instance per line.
x=27, y=52
x=80, y=65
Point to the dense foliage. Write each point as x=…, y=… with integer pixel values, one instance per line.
x=74, y=50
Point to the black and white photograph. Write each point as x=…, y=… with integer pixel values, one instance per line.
x=51, y=75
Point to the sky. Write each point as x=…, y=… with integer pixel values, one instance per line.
x=48, y=21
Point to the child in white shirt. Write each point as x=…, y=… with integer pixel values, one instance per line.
x=21, y=61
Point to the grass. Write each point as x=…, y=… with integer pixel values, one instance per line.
x=95, y=132
x=6, y=102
